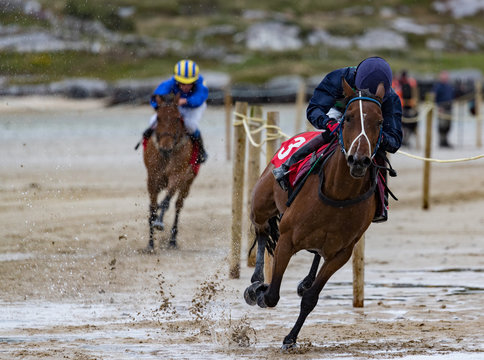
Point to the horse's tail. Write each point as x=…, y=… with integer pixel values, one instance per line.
x=272, y=235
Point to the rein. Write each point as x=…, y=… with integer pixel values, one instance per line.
x=349, y=202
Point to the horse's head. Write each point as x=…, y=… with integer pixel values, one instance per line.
x=361, y=126
x=169, y=129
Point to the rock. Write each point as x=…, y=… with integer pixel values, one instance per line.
x=323, y=37
x=133, y=91
x=459, y=8
x=377, y=39
x=80, y=88
x=273, y=36
x=409, y=26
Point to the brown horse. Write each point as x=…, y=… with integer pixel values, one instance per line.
x=329, y=215
x=167, y=160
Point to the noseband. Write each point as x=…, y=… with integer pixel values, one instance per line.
x=363, y=133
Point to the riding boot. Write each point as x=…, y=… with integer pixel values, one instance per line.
x=381, y=214
x=202, y=154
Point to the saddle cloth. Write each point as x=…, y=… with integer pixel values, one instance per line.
x=193, y=158
x=289, y=148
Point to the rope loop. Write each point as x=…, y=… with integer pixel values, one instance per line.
x=247, y=121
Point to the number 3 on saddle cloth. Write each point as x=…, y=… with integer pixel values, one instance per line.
x=304, y=145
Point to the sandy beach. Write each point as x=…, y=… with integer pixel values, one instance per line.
x=75, y=285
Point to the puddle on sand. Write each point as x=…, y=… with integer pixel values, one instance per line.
x=15, y=256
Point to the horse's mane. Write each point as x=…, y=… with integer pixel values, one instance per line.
x=365, y=93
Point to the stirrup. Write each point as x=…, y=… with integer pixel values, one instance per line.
x=381, y=217
x=280, y=174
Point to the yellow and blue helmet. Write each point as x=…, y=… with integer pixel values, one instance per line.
x=186, y=71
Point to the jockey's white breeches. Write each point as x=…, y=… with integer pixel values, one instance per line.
x=191, y=117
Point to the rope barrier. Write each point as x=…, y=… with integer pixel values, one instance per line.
x=247, y=120
x=438, y=160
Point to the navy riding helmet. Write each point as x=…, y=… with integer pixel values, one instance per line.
x=371, y=72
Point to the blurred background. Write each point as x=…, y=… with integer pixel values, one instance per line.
x=122, y=49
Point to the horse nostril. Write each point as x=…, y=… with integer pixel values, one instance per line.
x=351, y=159
x=366, y=161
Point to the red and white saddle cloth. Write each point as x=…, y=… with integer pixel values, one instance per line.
x=289, y=148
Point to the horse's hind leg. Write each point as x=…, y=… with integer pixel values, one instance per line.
x=310, y=296
x=164, y=205
x=307, y=282
x=257, y=279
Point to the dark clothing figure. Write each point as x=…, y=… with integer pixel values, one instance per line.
x=444, y=95
x=329, y=94
x=326, y=108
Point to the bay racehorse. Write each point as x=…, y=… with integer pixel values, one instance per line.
x=168, y=160
x=328, y=216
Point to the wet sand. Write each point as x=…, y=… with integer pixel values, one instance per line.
x=74, y=283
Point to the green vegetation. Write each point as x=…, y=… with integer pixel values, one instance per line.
x=183, y=22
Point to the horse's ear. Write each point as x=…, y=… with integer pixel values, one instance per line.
x=347, y=90
x=380, y=90
x=158, y=100
x=176, y=98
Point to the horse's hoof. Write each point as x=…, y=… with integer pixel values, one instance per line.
x=172, y=244
x=250, y=295
x=148, y=250
x=159, y=225
x=260, y=300
x=289, y=347
x=253, y=291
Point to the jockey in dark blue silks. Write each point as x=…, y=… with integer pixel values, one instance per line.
x=326, y=108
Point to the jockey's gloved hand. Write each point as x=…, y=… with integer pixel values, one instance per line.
x=329, y=127
x=331, y=124
x=147, y=133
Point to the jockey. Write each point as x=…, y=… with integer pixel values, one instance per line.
x=325, y=109
x=192, y=103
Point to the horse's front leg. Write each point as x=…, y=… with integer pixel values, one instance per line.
x=164, y=205
x=310, y=296
x=178, y=206
x=153, y=186
x=307, y=282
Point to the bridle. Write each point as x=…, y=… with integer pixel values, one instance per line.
x=176, y=137
x=359, y=98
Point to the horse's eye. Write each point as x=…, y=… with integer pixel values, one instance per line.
x=380, y=122
x=347, y=118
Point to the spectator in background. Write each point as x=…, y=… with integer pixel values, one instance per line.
x=444, y=95
x=406, y=88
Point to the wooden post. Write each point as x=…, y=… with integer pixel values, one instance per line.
x=253, y=174
x=359, y=273
x=478, y=102
x=300, y=100
x=228, y=120
x=237, y=191
x=428, y=154
x=271, y=148
x=419, y=124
